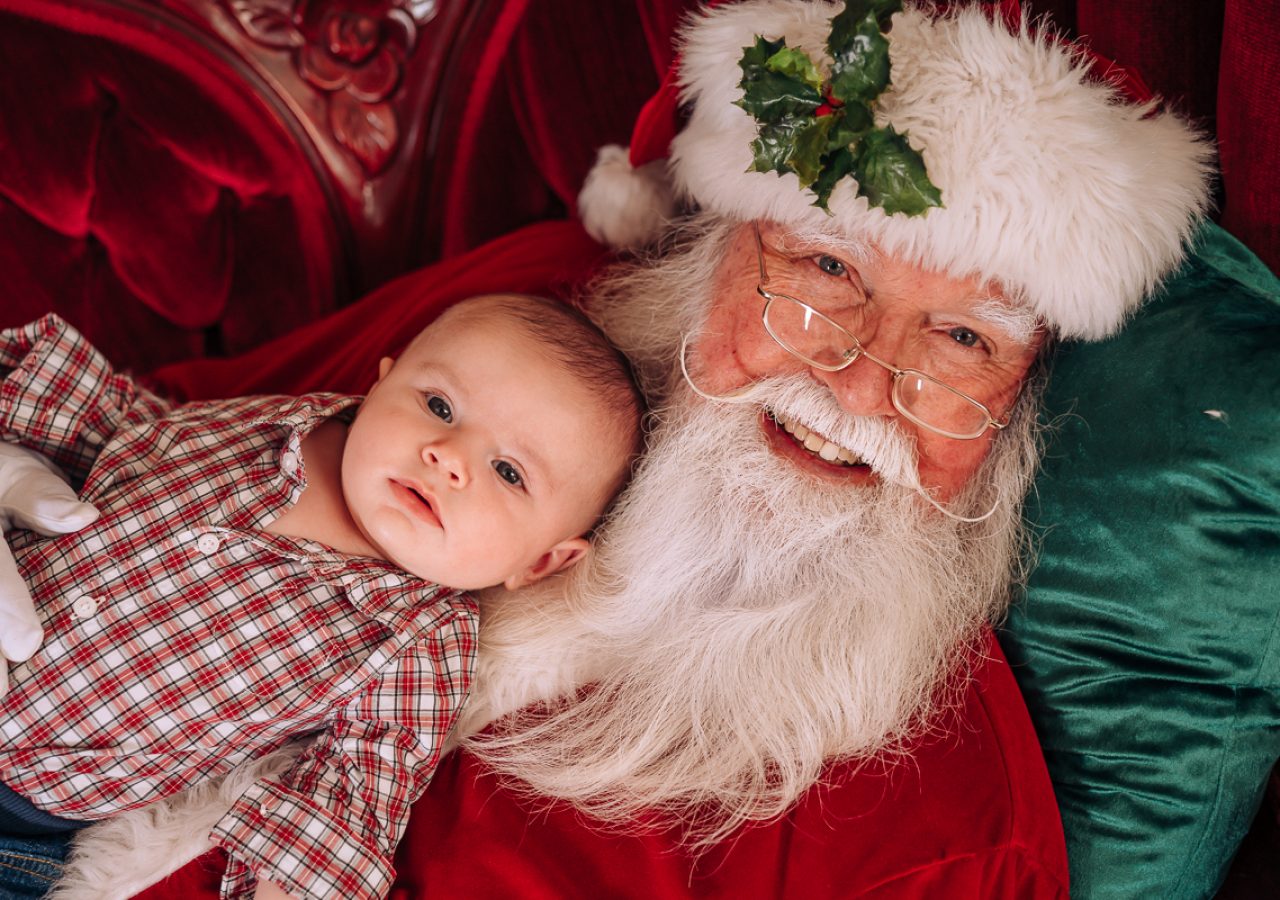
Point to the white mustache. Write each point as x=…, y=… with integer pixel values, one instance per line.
x=882, y=445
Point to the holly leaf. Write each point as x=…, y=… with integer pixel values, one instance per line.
x=856, y=10
x=783, y=89
x=773, y=97
x=891, y=175
x=811, y=141
x=795, y=63
x=769, y=95
x=835, y=166
x=777, y=97
x=859, y=54
x=756, y=57
x=774, y=146
x=849, y=123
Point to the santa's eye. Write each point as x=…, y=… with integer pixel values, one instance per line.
x=830, y=265
x=439, y=407
x=965, y=337
x=507, y=472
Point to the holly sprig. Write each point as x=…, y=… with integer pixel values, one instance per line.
x=824, y=129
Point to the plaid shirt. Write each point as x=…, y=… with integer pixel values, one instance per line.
x=182, y=640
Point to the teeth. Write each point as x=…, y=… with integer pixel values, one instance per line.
x=816, y=443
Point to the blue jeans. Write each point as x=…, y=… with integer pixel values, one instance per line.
x=30, y=865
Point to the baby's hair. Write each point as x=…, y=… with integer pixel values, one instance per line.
x=577, y=343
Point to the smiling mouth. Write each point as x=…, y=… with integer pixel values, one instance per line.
x=815, y=444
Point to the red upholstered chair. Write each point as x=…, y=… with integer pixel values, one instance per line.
x=192, y=177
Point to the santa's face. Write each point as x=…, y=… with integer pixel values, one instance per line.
x=956, y=330
x=828, y=621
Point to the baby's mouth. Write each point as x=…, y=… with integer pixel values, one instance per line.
x=420, y=501
x=814, y=443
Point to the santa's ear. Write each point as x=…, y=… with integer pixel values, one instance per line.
x=557, y=559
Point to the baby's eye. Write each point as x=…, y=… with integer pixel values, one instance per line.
x=439, y=407
x=507, y=472
x=830, y=265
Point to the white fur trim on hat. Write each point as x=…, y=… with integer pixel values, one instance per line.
x=624, y=206
x=1075, y=203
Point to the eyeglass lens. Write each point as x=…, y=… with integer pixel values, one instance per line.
x=814, y=338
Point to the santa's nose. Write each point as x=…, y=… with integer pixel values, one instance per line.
x=865, y=386
x=862, y=388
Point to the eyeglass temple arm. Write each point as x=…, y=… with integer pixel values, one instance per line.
x=764, y=273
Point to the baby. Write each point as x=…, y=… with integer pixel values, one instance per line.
x=270, y=567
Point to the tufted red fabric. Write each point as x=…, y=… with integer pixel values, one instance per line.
x=341, y=352
x=108, y=114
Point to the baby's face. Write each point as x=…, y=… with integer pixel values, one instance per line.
x=477, y=459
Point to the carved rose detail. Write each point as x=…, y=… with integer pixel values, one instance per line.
x=353, y=51
x=351, y=55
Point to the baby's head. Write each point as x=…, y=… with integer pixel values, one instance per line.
x=489, y=449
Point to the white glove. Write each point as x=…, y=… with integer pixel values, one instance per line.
x=34, y=495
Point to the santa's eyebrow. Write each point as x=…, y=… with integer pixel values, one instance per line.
x=1017, y=322
x=807, y=240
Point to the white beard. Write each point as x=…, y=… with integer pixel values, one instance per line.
x=744, y=622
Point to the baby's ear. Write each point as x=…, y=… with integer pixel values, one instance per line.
x=558, y=559
x=384, y=366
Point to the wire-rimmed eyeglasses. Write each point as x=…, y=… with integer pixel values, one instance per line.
x=823, y=343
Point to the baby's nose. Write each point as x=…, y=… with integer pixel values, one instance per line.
x=450, y=464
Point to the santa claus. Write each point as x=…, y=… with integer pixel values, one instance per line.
x=842, y=348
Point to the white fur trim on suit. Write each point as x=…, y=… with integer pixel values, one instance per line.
x=1072, y=201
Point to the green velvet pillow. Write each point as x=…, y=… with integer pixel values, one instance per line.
x=1147, y=643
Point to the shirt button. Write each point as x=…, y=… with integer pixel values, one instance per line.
x=84, y=607
x=268, y=805
x=289, y=462
x=208, y=544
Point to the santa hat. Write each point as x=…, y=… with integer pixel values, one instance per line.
x=1074, y=200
